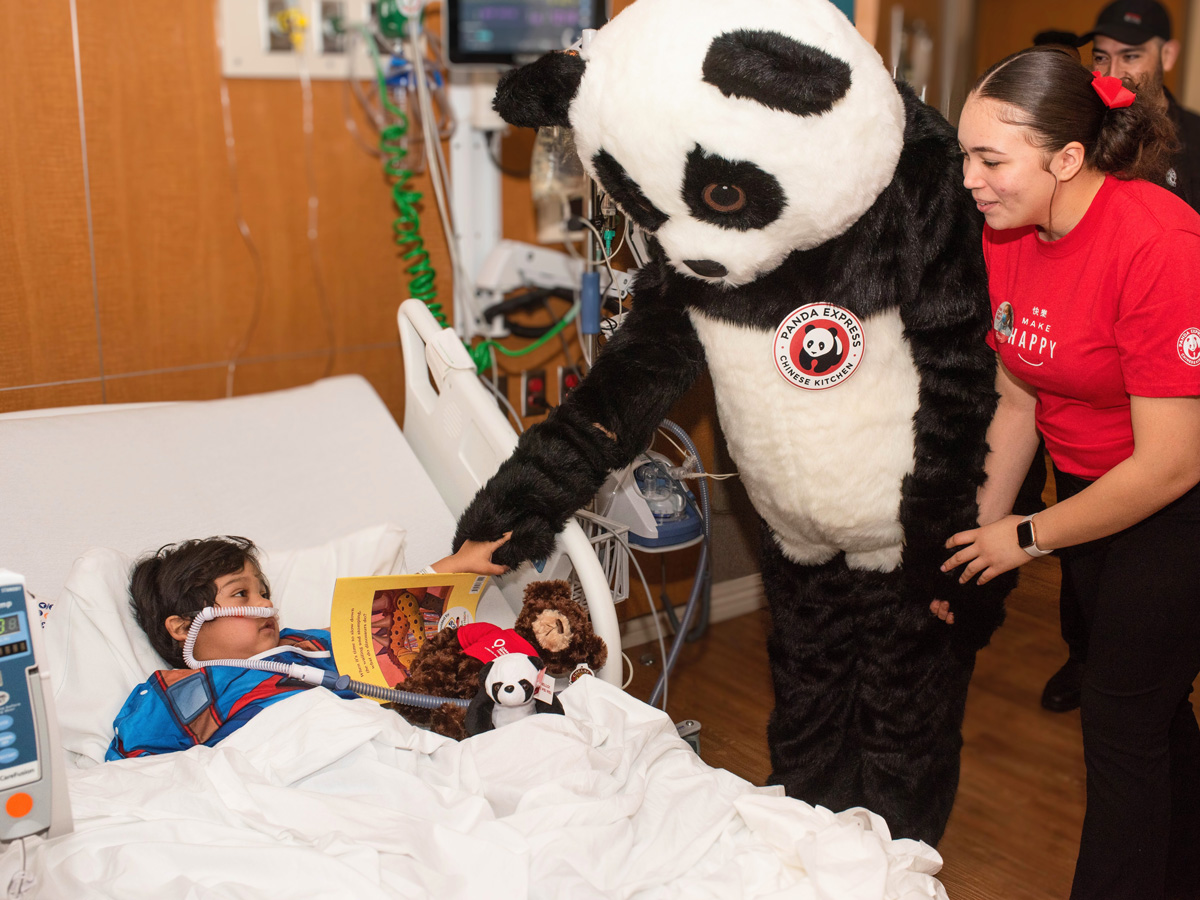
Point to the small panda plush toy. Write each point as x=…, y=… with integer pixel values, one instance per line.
x=512, y=683
x=810, y=244
x=506, y=693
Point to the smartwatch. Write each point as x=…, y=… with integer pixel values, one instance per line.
x=1027, y=539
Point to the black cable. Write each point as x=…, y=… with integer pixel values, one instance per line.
x=528, y=297
x=492, y=155
x=566, y=345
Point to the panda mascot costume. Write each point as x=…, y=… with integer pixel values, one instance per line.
x=812, y=244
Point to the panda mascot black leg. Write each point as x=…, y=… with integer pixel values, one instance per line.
x=869, y=694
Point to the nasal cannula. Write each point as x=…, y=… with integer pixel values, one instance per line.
x=307, y=674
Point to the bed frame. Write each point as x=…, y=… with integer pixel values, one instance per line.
x=290, y=469
x=455, y=427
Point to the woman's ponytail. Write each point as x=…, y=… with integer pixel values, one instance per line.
x=1137, y=141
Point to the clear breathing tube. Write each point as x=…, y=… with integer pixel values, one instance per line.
x=699, y=596
x=307, y=674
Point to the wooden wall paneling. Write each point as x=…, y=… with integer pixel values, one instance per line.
x=171, y=267
x=1188, y=77
x=380, y=365
x=518, y=222
x=364, y=276
x=177, y=283
x=70, y=394
x=866, y=20
x=204, y=382
x=47, y=312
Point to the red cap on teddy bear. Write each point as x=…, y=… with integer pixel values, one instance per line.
x=486, y=641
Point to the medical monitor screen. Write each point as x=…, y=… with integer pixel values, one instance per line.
x=508, y=32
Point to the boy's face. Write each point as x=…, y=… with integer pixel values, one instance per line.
x=233, y=637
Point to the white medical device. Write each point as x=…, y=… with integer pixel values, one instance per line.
x=33, y=782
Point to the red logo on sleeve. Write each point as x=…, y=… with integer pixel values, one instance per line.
x=1189, y=346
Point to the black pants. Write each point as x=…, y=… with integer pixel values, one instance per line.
x=1136, y=603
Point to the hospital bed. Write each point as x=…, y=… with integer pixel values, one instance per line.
x=322, y=797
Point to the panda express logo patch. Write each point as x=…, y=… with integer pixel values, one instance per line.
x=818, y=346
x=1188, y=346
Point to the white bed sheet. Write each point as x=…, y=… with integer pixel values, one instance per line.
x=322, y=797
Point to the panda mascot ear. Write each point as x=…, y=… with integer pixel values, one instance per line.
x=540, y=93
x=776, y=71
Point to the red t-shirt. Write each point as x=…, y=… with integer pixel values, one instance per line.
x=1110, y=309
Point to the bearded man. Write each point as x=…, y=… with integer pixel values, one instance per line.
x=1132, y=40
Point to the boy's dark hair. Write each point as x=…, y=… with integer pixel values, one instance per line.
x=1054, y=97
x=180, y=580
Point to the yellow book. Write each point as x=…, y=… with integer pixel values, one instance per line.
x=379, y=623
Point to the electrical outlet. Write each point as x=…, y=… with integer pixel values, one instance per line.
x=334, y=33
x=568, y=379
x=256, y=39
x=533, y=393
x=283, y=19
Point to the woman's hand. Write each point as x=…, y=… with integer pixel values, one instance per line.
x=474, y=556
x=988, y=551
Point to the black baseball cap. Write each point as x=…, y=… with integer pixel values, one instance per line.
x=1131, y=22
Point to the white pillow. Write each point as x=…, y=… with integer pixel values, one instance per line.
x=98, y=654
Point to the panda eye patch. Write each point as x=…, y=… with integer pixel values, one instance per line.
x=733, y=194
x=724, y=198
x=621, y=187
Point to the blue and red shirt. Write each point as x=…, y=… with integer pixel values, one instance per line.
x=179, y=708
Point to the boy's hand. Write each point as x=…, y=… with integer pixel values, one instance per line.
x=474, y=556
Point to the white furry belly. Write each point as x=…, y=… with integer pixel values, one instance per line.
x=823, y=468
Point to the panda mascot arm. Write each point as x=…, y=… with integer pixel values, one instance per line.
x=946, y=316
x=559, y=464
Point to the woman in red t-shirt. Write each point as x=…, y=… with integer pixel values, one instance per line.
x=1097, y=330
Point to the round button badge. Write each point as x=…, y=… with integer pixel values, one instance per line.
x=1003, y=322
x=818, y=346
x=1188, y=346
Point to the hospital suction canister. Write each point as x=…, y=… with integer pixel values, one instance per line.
x=33, y=783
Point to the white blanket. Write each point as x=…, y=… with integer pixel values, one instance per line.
x=322, y=797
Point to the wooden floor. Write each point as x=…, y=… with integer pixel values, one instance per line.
x=1014, y=831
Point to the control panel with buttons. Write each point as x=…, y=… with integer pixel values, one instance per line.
x=32, y=779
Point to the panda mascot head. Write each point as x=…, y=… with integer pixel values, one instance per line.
x=776, y=126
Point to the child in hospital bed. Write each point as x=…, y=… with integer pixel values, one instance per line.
x=179, y=707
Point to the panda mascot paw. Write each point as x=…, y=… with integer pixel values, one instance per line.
x=810, y=244
x=978, y=609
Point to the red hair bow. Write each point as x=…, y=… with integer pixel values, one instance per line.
x=1114, y=94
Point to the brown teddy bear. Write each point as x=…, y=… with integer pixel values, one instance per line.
x=560, y=629
x=549, y=619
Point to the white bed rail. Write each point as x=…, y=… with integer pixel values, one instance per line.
x=457, y=431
